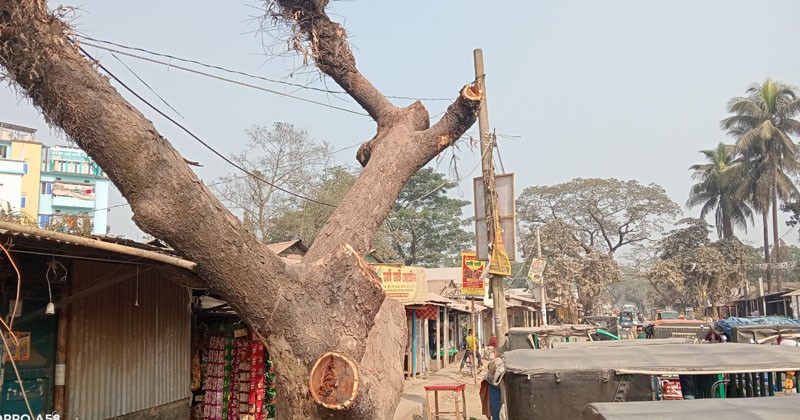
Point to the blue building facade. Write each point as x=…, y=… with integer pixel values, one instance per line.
x=73, y=187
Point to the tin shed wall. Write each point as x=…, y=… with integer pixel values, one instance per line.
x=123, y=358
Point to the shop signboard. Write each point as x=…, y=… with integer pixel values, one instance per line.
x=74, y=190
x=20, y=351
x=403, y=283
x=536, y=270
x=471, y=272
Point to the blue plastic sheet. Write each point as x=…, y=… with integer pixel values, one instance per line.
x=727, y=324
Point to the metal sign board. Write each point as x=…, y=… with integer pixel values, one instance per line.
x=506, y=203
x=536, y=269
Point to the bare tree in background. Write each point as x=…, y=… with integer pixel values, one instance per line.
x=282, y=156
x=337, y=343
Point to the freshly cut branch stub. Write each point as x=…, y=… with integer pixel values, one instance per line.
x=472, y=92
x=334, y=381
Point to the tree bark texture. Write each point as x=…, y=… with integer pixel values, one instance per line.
x=765, y=223
x=775, y=284
x=330, y=303
x=727, y=226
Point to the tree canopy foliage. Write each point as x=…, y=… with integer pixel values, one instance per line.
x=571, y=267
x=426, y=227
x=693, y=270
x=605, y=214
x=281, y=155
x=717, y=189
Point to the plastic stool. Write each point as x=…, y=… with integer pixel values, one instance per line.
x=461, y=412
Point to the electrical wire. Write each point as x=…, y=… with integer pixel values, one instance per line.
x=19, y=285
x=147, y=86
x=499, y=157
x=225, y=79
x=11, y=332
x=241, y=73
x=198, y=139
x=16, y=372
x=457, y=180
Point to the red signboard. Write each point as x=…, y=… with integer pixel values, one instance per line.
x=471, y=272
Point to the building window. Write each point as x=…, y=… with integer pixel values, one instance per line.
x=25, y=167
x=3, y=152
x=44, y=220
x=22, y=201
x=47, y=188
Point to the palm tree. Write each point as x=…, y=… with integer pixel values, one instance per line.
x=762, y=122
x=718, y=183
x=755, y=189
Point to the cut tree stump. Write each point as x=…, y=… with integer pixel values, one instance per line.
x=334, y=381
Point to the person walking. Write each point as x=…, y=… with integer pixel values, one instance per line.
x=471, y=350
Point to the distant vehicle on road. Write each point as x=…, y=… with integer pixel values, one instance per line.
x=666, y=315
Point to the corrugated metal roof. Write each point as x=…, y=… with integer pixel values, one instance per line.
x=14, y=230
x=283, y=246
x=121, y=357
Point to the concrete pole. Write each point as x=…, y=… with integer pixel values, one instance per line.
x=487, y=165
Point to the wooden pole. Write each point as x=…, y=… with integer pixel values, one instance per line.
x=439, y=321
x=59, y=397
x=498, y=288
x=474, y=369
x=414, y=343
x=427, y=349
x=446, y=337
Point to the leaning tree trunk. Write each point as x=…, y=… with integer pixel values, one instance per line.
x=337, y=344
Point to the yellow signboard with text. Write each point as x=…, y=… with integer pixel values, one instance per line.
x=406, y=284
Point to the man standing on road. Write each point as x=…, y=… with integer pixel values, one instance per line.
x=472, y=350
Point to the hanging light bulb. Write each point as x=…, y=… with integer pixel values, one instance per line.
x=51, y=308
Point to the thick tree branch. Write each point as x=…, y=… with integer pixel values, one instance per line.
x=332, y=55
x=458, y=118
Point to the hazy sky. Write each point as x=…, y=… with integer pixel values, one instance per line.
x=625, y=89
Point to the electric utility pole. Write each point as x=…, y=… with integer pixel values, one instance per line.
x=498, y=289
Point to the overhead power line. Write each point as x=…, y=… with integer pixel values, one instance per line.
x=198, y=139
x=225, y=79
x=241, y=73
